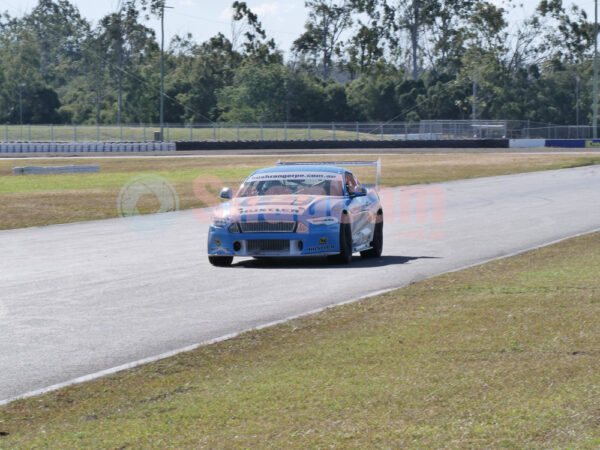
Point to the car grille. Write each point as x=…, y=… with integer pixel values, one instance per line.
x=268, y=245
x=267, y=227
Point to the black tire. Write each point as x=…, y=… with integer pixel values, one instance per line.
x=345, y=255
x=376, y=243
x=220, y=261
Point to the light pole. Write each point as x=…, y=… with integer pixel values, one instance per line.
x=162, y=69
x=21, y=85
x=595, y=124
x=577, y=81
x=475, y=81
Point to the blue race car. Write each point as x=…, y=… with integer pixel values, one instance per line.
x=298, y=209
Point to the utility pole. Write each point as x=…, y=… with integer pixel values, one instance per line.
x=475, y=81
x=162, y=69
x=577, y=81
x=595, y=124
x=21, y=103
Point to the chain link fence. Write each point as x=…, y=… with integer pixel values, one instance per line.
x=356, y=131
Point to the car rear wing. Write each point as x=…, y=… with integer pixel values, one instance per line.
x=376, y=164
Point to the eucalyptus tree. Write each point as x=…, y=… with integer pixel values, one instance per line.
x=60, y=32
x=24, y=94
x=412, y=17
x=129, y=44
x=256, y=48
x=323, y=32
x=199, y=71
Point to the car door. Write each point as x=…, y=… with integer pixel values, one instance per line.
x=358, y=209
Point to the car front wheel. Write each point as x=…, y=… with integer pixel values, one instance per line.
x=345, y=255
x=376, y=243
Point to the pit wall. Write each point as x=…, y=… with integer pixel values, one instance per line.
x=104, y=147
x=114, y=147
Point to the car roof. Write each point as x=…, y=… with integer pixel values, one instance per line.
x=303, y=168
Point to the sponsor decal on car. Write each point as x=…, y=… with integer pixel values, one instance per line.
x=323, y=221
x=265, y=210
x=321, y=248
x=291, y=176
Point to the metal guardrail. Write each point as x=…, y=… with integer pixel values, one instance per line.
x=359, y=131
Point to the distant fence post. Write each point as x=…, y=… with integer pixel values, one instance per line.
x=381, y=132
x=29, y=133
x=309, y=132
x=333, y=130
x=261, y=132
x=237, y=131
x=51, y=133
x=168, y=134
x=285, y=125
x=121, y=132
x=6, y=132
x=214, y=131
x=144, y=132
x=357, y=131
x=191, y=132
x=75, y=132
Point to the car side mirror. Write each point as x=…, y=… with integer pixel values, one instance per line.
x=226, y=193
x=362, y=192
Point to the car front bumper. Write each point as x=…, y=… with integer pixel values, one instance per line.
x=319, y=241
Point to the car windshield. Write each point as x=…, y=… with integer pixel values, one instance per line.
x=292, y=183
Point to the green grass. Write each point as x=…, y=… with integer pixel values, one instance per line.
x=500, y=355
x=38, y=200
x=32, y=184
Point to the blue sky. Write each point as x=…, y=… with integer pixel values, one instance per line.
x=283, y=20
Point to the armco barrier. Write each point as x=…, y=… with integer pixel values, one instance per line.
x=40, y=170
x=555, y=143
x=85, y=147
x=311, y=145
x=527, y=143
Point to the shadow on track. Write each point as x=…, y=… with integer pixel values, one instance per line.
x=324, y=263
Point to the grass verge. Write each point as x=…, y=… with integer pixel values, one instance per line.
x=37, y=200
x=500, y=355
x=222, y=132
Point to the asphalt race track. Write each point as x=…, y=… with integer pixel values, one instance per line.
x=81, y=298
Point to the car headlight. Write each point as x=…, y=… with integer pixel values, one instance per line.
x=234, y=228
x=302, y=228
x=220, y=222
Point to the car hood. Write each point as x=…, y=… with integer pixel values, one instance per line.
x=280, y=207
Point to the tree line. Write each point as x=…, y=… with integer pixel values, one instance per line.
x=356, y=60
